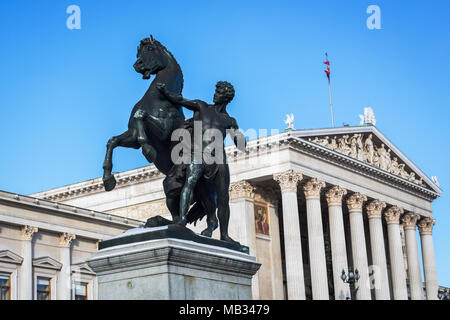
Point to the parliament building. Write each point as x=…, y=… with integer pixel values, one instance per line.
x=311, y=205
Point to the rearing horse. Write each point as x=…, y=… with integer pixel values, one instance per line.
x=152, y=122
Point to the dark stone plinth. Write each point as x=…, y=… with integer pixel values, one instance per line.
x=162, y=229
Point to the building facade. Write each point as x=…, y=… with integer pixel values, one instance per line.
x=44, y=247
x=310, y=204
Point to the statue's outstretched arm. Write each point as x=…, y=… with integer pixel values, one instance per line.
x=237, y=136
x=178, y=98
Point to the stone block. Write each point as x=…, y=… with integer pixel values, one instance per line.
x=172, y=269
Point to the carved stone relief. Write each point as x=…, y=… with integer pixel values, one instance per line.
x=361, y=147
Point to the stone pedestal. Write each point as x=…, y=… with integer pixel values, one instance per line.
x=171, y=263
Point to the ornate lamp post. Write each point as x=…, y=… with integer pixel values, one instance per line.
x=351, y=279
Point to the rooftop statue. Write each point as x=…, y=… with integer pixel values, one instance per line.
x=368, y=118
x=290, y=122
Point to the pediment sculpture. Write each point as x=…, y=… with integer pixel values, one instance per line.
x=362, y=147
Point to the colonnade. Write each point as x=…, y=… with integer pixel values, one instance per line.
x=374, y=278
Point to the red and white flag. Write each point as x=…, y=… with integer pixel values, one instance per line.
x=328, y=70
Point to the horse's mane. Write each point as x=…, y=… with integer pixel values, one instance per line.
x=156, y=44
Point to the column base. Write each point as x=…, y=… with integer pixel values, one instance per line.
x=167, y=268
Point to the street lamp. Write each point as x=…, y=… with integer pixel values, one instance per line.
x=351, y=279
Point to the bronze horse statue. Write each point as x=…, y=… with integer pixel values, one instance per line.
x=151, y=123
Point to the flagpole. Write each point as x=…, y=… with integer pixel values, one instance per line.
x=328, y=72
x=331, y=104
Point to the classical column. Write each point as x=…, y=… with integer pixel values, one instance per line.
x=429, y=262
x=392, y=216
x=64, y=282
x=337, y=239
x=26, y=270
x=409, y=221
x=242, y=217
x=288, y=181
x=359, y=251
x=317, y=261
x=380, y=274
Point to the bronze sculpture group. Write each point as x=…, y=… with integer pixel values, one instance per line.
x=194, y=188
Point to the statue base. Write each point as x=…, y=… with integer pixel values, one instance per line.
x=160, y=264
x=171, y=230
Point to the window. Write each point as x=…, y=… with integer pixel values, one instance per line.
x=5, y=286
x=43, y=289
x=81, y=291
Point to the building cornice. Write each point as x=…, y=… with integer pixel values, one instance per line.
x=362, y=168
x=124, y=179
x=51, y=207
x=379, y=135
x=293, y=140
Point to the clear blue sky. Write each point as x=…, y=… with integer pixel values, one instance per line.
x=63, y=92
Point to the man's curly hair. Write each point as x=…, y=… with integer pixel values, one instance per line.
x=226, y=89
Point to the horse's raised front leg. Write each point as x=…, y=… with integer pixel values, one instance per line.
x=128, y=139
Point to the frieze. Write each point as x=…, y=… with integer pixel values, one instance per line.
x=363, y=148
x=143, y=211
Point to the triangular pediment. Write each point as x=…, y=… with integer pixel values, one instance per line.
x=47, y=262
x=10, y=257
x=368, y=145
x=82, y=268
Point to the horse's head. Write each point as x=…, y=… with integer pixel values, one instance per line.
x=152, y=57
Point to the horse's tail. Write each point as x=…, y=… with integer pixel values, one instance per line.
x=205, y=202
x=196, y=213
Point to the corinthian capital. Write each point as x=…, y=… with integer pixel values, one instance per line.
x=288, y=180
x=28, y=232
x=241, y=190
x=374, y=208
x=65, y=239
x=426, y=225
x=312, y=188
x=355, y=202
x=392, y=215
x=409, y=220
x=334, y=196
